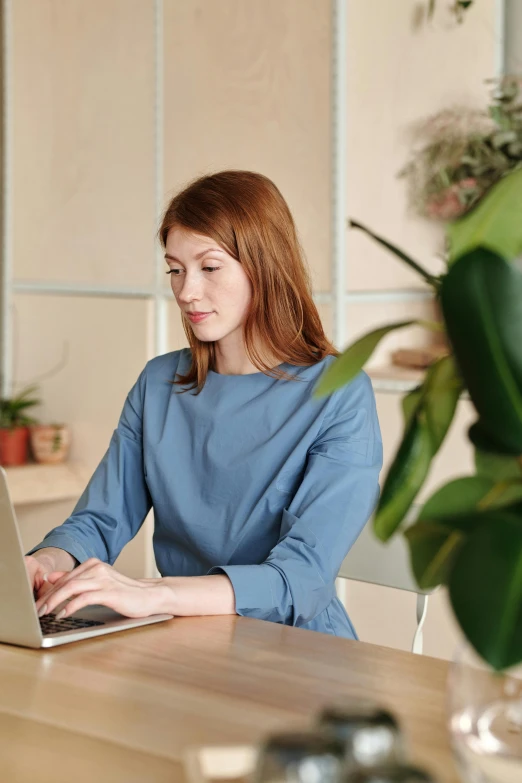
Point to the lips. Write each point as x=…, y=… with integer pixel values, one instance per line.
x=197, y=317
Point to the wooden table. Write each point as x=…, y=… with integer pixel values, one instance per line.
x=125, y=707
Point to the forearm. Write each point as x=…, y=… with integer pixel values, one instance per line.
x=56, y=559
x=189, y=596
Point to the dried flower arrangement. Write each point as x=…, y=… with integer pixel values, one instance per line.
x=460, y=153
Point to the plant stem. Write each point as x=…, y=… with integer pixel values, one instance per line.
x=433, y=280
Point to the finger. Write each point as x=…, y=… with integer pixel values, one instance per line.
x=91, y=568
x=87, y=565
x=49, y=602
x=103, y=597
x=35, y=575
x=44, y=589
x=54, y=576
x=92, y=561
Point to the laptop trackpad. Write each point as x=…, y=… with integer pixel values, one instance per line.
x=102, y=614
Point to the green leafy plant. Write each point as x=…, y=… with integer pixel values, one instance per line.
x=468, y=535
x=13, y=409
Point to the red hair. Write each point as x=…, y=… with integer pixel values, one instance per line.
x=247, y=216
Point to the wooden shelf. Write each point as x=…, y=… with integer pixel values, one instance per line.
x=34, y=483
x=394, y=379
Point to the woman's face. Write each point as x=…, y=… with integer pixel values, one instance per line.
x=206, y=279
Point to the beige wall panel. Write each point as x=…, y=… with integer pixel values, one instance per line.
x=83, y=140
x=247, y=87
x=326, y=315
x=106, y=342
x=398, y=73
x=365, y=317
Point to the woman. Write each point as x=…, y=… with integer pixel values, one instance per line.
x=258, y=489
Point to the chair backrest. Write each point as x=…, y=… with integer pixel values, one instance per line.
x=369, y=560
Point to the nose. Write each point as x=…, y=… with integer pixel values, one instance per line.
x=190, y=289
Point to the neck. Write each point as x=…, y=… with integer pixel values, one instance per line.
x=237, y=362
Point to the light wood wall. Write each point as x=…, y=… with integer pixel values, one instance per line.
x=246, y=85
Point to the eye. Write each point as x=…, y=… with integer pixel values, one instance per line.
x=174, y=272
x=211, y=268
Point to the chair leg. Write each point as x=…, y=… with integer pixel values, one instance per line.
x=422, y=608
x=340, y=589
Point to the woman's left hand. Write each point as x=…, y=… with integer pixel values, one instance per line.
x=94, y=582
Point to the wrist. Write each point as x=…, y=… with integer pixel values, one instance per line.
x=55, y=559
x=165, y=597
x=189, y=596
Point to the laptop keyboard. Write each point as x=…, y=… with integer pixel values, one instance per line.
x=49, y=624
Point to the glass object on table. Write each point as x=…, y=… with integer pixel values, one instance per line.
x=371, y=735
x=398, y=773
x=485, y=719
x=299, y=757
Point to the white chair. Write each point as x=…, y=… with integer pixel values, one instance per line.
x=369, y=560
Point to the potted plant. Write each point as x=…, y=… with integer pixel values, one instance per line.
x=468, y=535
x=14, y=426
x=50, y=442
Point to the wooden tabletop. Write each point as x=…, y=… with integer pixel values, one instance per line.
x=125, y=707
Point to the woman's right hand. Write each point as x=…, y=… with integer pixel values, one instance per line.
x=43, y=562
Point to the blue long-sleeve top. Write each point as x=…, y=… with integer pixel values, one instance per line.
x=252, y=478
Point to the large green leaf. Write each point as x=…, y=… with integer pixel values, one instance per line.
x=451, y=513
x=431, y=279
x=460, y=496
x=438, y=395
x=433, y=546
x=410, y=404
x=405, y=477
x=494, y=223
x=485, y=588
x=498, y=467
x=468, y=494
x=442, y=389
x=481, y=299
x=352, y=360
x=428, y=413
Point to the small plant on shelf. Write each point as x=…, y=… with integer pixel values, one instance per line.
x=14, y=425
x=50, y=442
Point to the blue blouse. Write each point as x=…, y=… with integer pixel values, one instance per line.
x=252, y=478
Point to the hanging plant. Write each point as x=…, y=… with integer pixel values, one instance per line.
x=459, y=8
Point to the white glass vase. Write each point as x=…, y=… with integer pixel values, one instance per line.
x=485, y=719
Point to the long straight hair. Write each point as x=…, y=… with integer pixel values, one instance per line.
x=247, y=216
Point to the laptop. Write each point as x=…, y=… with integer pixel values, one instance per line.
x=19, y=622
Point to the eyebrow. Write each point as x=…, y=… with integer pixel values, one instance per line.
x=198, y=255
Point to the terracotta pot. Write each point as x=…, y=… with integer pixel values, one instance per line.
x=50, y=442
x=13, y=445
